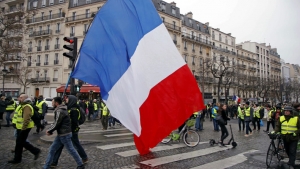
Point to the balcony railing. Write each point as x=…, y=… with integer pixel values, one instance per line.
x=56, y=46
x=46, y=63
x=56, y=62
x=29, y=49
x=41, y=33
x=57, y=31
x=45, y=18
x=241, y=66
x=222, y=49
x=172, y=26
x=13, y=10
x=38, y=64
x=47, y=47
x=55, y=79
x=39, y=48
x=28, y=63
x=196, y=39
x=40, y=80
x=79, y=17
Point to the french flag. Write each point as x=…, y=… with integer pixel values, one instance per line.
x=144, y=81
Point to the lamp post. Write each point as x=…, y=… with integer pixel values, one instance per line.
x=4, y=72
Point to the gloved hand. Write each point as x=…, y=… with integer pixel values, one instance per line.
x=294, y=134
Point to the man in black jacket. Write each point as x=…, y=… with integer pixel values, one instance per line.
x=62, y=124
x=74, y=114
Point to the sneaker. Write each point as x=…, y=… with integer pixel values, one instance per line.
x=53, y=165
x=250, y=133
x=85, y=161
x=36, y=156
x=14, y=161
x=246, y=135
x=80, y=167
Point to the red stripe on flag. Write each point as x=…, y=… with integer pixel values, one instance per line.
x=169, y=104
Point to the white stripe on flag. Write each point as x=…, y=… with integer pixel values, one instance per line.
x=155, y=149
x=226, y=162
x=116, y=135
x=182, y=156
x=130, y=167
x=101, y=131
x=112, y=146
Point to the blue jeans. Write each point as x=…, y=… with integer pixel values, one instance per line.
x=248, y=127
x=59, y=142
x=198, y=123
x=95, y=114
x=8, y=119
x=216, y=126
x=77, y=146
x=111, y=120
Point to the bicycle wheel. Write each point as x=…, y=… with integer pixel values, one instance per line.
x=168, y=138
x=191, y=138
x=270, y=154
x=280, y=150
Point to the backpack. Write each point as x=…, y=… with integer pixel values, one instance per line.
x=82, y=117
x=262, y=113
x=36, y=115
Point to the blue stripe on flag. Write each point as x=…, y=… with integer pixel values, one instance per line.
x=112, y=40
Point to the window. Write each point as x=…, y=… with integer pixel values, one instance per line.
x=199, y=36
x=74, y=16
x=42, y=15
x=40, y=43
x=34, y=4
x=58, y=27
x=60, y=12
x=61, y=1
x=30, y=44
x=174, y=24
x=56, y=56
x=163, y=6
x=85, y=28
x=185, y=58
x=29, y=58
x=213, y=35
x=38, y=59
x=185, y=45
x=46, y=58
x=48, y=28
x=47, y=42
x=51, y=2
x=87, y=13
x=201, y=61
x=193, y=59
x=43, y=3
x=50, y=14
x=190, y=21
x=72, y=29
x=220, y=37
x=173, y=11
x=45, y=73
x=40, y=29
x=75, y=2
x=88, y=1
x=57, y=41
x=200, y=49
x=174, y=37
x=193, y=46
x=55, y=74
x=37, y=74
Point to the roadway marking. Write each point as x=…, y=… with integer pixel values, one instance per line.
x=182, y=156
x=133, y=166
x=116, y=135
x=101, y=131
x=226, y=162
x=111, y=146
x=155, y=149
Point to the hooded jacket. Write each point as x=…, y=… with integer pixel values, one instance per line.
x=62, y=122
x=73, y=112
x=27, y=113
x=9, y=101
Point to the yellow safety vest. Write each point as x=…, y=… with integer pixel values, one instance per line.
x=195, y=114
x=256, y=113
x=40, y=106
x=20, y=120
x=95, y=106
x=215, y=112
x=11, y=106
x=14, y=120
x=240, y=113
x=247, y=111
x=288, y=127
x=105, y=111
x=270, y=113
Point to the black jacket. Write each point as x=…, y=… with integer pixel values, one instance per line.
x=62, y=122
x=9, y=101
x=224, y=116
x=74, y=113
x=2, y=106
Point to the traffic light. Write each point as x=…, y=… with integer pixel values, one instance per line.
x=72, y=48
x=76, y=89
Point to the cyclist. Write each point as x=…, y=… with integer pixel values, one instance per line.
x=289, y=127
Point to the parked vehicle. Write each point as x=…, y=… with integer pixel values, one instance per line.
x=49, y=103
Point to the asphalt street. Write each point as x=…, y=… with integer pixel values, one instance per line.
x=114, y=149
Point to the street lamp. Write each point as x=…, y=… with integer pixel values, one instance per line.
x=4, y=72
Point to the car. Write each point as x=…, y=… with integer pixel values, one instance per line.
x=49, y=102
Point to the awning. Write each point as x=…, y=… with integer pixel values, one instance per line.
x=83, y=89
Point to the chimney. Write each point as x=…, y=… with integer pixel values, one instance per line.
x=218, y=29
x=189, y=15
x=229, y=34
x=207, y=23
x=173, y=3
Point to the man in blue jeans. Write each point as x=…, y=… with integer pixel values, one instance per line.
x=62, y=124
x=74, y=113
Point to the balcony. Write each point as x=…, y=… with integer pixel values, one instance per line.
x=45, y=18
x=252, y=69
x=56, y=46
x=29, y=49
x=241, y=66
x=41, y=33
x=12, y=59
x=39, y=48
x=79, y=17
x=40, y=80
x=56, y=62
x=222, y=50
x=46, y=63
x=14, y=11
x=38, y=64
x=172, y=26
x=196, y=39
x=55, y=79
x=47, y=47
x=28, y=63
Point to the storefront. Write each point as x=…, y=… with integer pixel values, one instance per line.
x=87, y=92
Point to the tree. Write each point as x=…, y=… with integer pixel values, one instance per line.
x=23, y=76
x=203, y=79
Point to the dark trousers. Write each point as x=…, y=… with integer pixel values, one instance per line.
x=90, y=113
x=272, y=123
x=104, y=122
x=8, y=114
x=256, y=121
x=241, y=121
x=248, y=128
x=291, y=150
x=77, y=146
x=21, y=143
x=224, y=132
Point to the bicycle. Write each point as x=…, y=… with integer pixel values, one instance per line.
x=274, y=150
x=190, y=137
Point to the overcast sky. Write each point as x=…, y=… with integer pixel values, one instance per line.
x=264, y=21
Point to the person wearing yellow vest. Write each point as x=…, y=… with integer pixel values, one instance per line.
x=10, y=108
x=214, y=113
x=248, y=118
x=288, y=126
x=96, y=108
x=24, y=124
x=270, y=117
x=42, y=105
x=240, y=111
x=105, y=115
x=256, y=117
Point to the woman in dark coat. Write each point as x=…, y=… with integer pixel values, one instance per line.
x=222, y=123
x=2, y=108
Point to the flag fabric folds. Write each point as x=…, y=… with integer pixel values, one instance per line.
x=144, y=81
